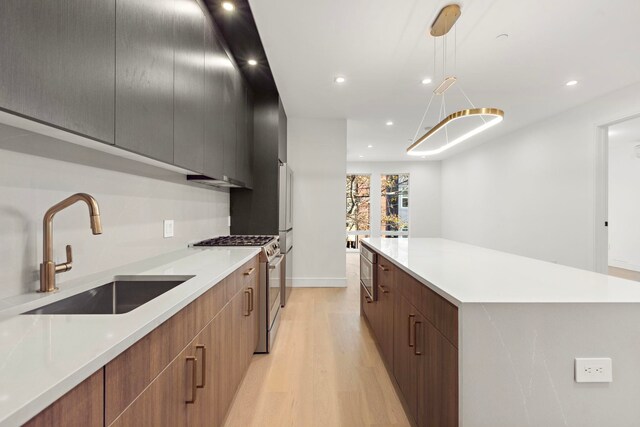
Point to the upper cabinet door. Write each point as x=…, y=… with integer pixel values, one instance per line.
x=282, y=133
x=216, y=62
x=242, y=151
x=144, y=77
x=189, y=85
x=230, y=100
x=57, y=63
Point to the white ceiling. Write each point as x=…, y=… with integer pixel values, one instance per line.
x=383, y=50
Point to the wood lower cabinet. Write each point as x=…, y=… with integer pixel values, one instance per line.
x=183, y=373
x=417, y=333
x=437, y=379
x=81, y=407
x=405, y=362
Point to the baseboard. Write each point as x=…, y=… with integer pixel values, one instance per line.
x=624, y=265
x=319, y=282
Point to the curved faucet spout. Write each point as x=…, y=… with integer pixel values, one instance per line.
x=48, y=268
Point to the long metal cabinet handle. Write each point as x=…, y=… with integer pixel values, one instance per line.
x=382, y=267
x=383, y=289
x=411, y=316
x=251, y=300
x=194, y=379
x=247, y=302
x=415, y=337
x=203, y=373
x=250, y=271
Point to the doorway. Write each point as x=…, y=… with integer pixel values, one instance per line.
x=620, y=243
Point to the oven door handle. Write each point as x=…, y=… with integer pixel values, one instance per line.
x=277, y=263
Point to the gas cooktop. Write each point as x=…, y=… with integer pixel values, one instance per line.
x=239, y=240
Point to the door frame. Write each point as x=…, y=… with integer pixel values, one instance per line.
x=601, y=208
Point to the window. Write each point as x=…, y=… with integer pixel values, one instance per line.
x=394, y=205
x=358, y=191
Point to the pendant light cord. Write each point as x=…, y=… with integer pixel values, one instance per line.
x=423, y=117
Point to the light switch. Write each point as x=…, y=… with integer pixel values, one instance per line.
x=594, y=370
x=168, y=228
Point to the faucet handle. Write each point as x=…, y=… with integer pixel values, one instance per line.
x=61, y=268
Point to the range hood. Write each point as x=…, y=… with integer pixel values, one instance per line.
x=225, y=182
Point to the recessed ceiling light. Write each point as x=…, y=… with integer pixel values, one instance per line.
x=389, y=123
x=502, y=36
x=252, y=62
x=361, y=156
x=339, y=79
x=369, y=146
x=426, y=81
x=424, y=157
x=228, y=6
x=571, y=83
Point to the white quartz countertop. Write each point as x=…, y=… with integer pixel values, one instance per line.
x=42, y=357
x=463, y=273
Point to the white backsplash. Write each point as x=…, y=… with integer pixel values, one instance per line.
x=134, y=200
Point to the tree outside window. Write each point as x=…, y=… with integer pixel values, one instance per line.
x=394, y=204
x=358, y=191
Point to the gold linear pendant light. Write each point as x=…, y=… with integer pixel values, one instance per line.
x=488, y=117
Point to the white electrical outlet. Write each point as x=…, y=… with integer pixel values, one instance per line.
x=168, y=228
x=594, y=370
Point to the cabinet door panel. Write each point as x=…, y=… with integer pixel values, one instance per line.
x=230, y=100
x=386, y=301
x=163, y=403
x=242, y=150
x=437, y=380
x=81, y=407
x=189, y=85
x=144, y=77
x=405, y=361
x=215, y=60
x=57, y=63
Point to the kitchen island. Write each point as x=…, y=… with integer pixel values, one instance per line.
x=486, y=338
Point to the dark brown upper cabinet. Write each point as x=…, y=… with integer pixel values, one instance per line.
x=57, y=63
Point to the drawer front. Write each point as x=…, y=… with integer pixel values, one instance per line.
x=410, y=288
x=249, y=273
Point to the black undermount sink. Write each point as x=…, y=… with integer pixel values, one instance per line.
x=123, y=294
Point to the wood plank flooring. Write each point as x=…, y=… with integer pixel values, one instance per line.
x=625, y=274
x=325, y=370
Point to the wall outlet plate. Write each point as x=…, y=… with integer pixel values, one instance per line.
x=168, y=228
x=594, y=370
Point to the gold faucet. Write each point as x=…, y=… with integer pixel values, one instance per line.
x=48, y=268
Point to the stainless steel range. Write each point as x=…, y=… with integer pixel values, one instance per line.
x=270, y=281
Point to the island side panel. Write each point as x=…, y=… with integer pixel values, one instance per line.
x=517, y=364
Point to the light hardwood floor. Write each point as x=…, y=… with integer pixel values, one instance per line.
x=625, y=274
x=325, y=369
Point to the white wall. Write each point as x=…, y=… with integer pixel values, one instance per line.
x=624, y=203
x=134, y=199
x=424, y=194
x=532, y=192
x=317, y=151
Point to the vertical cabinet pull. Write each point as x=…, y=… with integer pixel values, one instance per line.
x=411, y=343
x=194, y=379
x=203, y=364
x=415, y=338
x=251, y=300
x=247, y=302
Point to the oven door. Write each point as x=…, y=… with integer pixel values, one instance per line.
x=368, y=272
x=274, y=282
